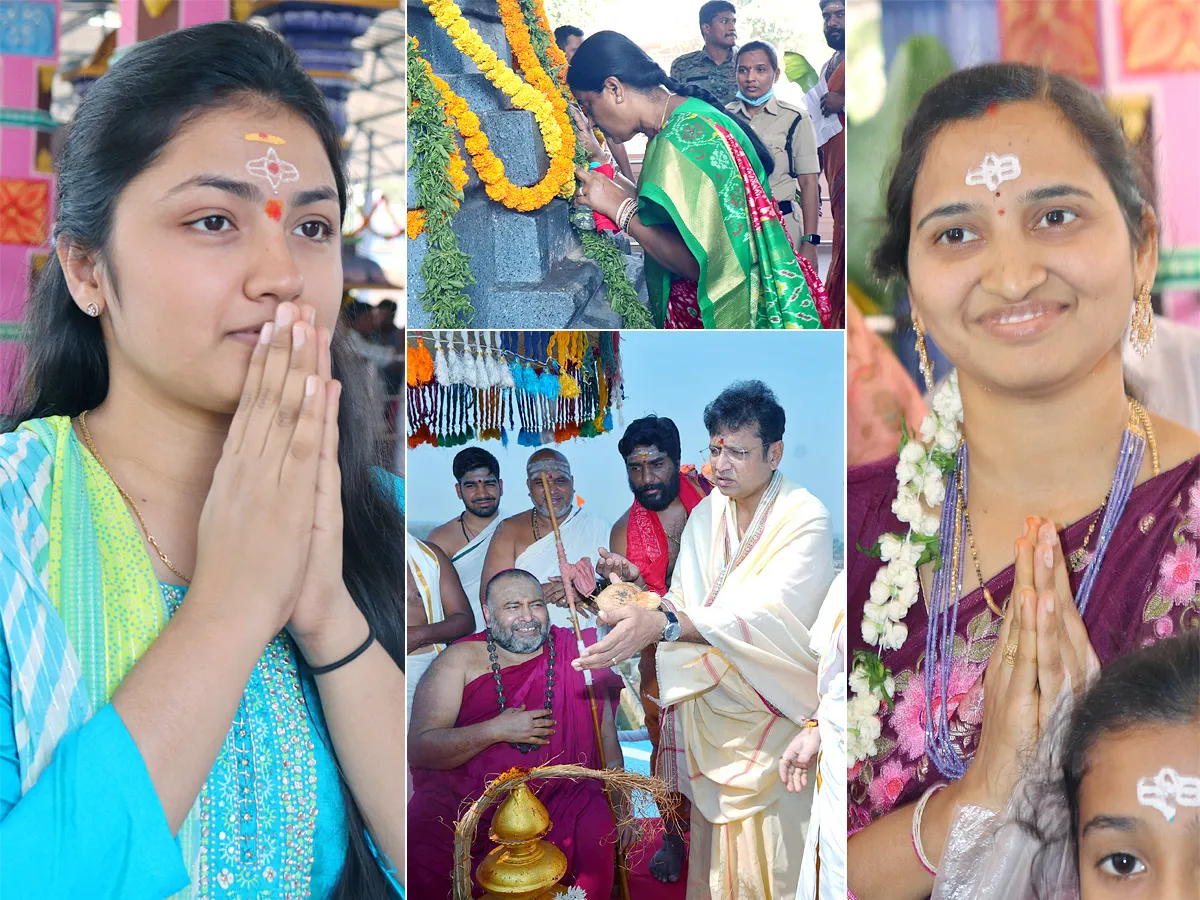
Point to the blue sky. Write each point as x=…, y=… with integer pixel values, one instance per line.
x=676, y=374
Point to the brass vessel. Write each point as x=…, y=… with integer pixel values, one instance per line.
x=523, y=867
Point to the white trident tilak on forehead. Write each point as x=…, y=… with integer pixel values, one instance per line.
x=994, y=170
x=1168, y=785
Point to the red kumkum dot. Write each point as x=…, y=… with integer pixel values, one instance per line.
x=272, y=167
x=991, y=109
x=999, y=212
x=274, y=209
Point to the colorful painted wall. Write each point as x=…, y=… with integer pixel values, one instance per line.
x=28, y=56
x=1144, y=55
x=29, y=38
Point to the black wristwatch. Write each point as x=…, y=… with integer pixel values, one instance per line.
x=813, y=239
x=672, y=629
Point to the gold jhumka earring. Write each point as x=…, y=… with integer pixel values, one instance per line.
x=1141, y=329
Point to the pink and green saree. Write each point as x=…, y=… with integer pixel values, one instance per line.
x=702, y=176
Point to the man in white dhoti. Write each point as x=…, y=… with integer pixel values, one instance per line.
x=437, y=609
x=526, y=540
x=734, y=670
x=466, y=537
x=823, y=741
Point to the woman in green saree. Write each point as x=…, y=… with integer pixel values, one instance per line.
x=717, y=254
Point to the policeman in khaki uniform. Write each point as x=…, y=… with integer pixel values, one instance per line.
x=788, y=131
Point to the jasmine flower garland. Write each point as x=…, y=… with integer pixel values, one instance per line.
x=921, y=474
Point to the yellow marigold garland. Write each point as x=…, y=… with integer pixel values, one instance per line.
x=490, y=169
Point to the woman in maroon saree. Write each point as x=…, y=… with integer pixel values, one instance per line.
x=1022, y=267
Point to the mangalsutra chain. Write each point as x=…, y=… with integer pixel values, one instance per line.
x=956, y=546
x=87, y=439
x=548, y=705
x=966, y=519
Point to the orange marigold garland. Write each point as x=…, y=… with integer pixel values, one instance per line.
x=520, y=40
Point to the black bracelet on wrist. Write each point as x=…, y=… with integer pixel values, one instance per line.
x=346, y=660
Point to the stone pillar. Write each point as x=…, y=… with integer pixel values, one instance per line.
x=142, y=20
x=322, y=34
x=28, y=55
x=528, y=267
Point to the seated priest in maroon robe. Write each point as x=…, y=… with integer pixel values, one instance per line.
x=503, y=698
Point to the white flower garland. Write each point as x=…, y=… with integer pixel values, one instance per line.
x=921, y=475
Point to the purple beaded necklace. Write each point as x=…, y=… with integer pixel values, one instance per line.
x=947, y=585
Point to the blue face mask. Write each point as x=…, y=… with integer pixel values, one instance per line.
x=760, y=101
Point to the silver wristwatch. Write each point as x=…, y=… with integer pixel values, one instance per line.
x=672, y=629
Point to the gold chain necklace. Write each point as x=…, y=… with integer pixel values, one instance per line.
x=1139, y=421
x=666, y=106
x=87, y=439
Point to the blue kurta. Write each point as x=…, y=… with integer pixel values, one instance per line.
x=92, y=826
x=269, y=824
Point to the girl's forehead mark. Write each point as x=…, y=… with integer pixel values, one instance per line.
x=274, y=209
x=274, y=169
x=263, y=138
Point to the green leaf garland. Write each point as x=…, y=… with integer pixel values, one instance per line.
x=446, y=268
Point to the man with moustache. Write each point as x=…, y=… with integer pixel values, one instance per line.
x=735, y=674
x=526, y=540
x=509, y=697
x=466, y=537
x=713, y=67
x=648, y=537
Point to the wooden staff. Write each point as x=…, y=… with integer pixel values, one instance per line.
x=569, y=587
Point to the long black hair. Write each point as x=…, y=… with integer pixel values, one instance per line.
x=121, y=127
x=968, y=94
x=608, y=54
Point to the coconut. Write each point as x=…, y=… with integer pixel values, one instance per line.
x=623, y=593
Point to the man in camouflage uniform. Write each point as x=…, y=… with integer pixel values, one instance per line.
x=713, y=68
